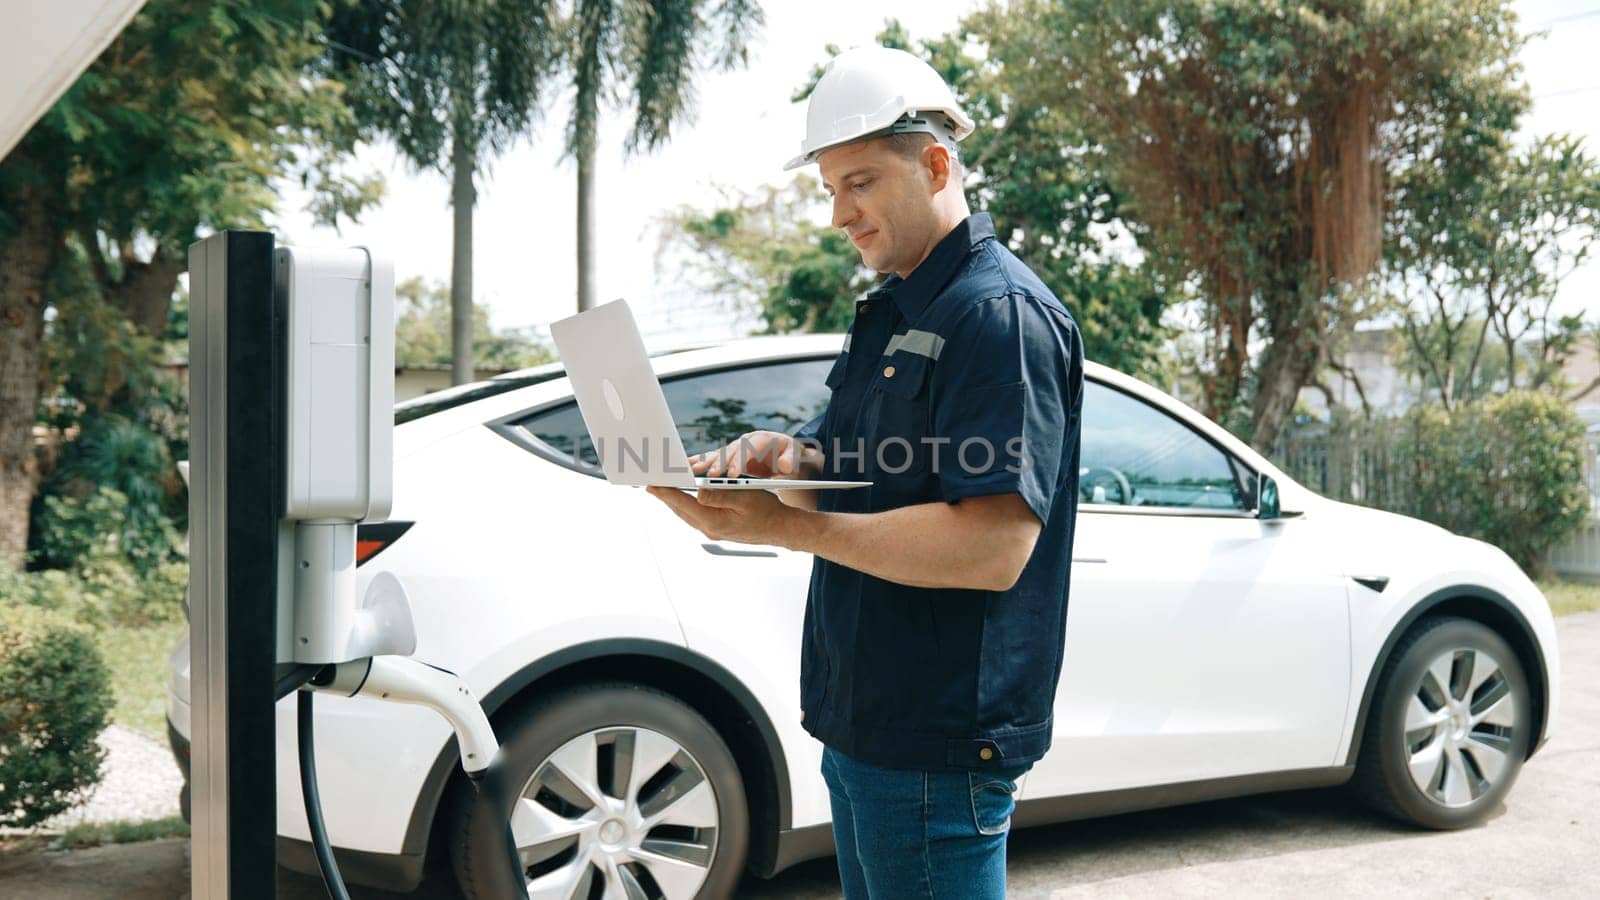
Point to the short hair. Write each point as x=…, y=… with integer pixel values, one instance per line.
x=909, y=145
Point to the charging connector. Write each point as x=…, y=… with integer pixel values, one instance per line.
x=403, y=680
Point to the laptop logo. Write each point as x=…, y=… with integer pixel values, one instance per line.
x=613, y=398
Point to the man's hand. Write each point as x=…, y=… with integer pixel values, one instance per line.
x=759, y=454
x=765, y=454
x=744, y=517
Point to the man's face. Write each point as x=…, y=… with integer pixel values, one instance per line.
x=882, y=200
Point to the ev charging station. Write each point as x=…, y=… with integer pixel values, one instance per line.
x=291, y=446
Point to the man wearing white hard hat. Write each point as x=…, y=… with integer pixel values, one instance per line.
x=936, y=617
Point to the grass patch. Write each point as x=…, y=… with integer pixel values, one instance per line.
x=94, y=834
x=137, y=660
x=1568, y=596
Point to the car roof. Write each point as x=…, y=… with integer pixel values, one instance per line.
x=672, y=360
x=676, y=360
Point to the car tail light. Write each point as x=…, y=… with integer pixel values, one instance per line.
x=372, y=539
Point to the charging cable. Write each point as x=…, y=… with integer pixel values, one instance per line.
x=403, y=680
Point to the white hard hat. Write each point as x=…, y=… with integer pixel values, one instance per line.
x=869, y=91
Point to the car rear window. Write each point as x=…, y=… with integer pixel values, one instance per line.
x=450, y=398
x=462, y=394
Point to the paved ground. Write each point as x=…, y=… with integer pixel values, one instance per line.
x=1544, y=843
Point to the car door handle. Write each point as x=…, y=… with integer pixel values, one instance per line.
x=719, y=550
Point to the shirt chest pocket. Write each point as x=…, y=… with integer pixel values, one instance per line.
x=897, y=418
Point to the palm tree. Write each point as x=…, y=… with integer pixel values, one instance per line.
x=658, y=45
x=453, y=83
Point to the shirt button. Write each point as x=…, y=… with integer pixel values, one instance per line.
x=888, y=371
x=865, y=307
x=986, y=753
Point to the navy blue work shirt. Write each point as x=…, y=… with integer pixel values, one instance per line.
x=963, y=380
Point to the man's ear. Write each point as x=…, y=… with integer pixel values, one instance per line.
x=936, y=162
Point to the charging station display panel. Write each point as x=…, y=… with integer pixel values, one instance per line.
x=339, y=309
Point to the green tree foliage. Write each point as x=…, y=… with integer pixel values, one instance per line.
x=1030, y=168
x=421, y=334
x=1035, y=167
x=642, y=53
x=183, y=124
x=117, y=455
x=764, y=250
x=453, y=85
x=1255, y=142
x=116, y=415
x=1478, y=258
x=55, y=697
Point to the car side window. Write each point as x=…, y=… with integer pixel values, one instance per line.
x=713, y=409
x=1135, y=455
x=710, y=409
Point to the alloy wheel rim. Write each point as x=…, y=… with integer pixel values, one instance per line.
x=622, y=812
x=1460, y=727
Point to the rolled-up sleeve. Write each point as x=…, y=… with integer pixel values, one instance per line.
x=999, y=401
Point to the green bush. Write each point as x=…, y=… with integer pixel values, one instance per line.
x=103, y=590
x=55, y=698
x=1507, y=470
x=111, y=592
x=108, y=491
x=73, y=529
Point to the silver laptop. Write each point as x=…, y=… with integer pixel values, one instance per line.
x=626, y=412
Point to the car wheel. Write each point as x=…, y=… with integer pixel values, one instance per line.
x=622, y=792
x=1449, y=728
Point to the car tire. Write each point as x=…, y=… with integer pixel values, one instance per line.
x=560, y=751
x=1445, y=762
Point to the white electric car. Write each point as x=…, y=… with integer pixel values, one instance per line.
x=645, y=681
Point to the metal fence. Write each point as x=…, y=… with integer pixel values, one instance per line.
x=1357, y=463
x=1580, y=555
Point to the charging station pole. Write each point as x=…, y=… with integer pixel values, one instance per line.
x=291, y=385
x=235, y=500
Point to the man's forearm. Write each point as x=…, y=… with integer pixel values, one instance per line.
x=931, y=545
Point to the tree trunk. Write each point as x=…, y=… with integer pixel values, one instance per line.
x=586, y=229
x=146, y=289
x=1469, y=382
x=1511, y=356
x=463, y=197
x=25, y=261
x=1288, y=363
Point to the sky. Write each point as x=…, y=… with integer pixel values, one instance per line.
x=745, y=129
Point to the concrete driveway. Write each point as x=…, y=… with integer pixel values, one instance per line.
x=1544, y=843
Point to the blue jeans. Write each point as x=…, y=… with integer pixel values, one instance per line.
x=913, y=834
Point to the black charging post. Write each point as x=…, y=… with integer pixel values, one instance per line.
x=235, y=388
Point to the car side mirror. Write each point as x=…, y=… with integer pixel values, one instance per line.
x=1267, y=507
